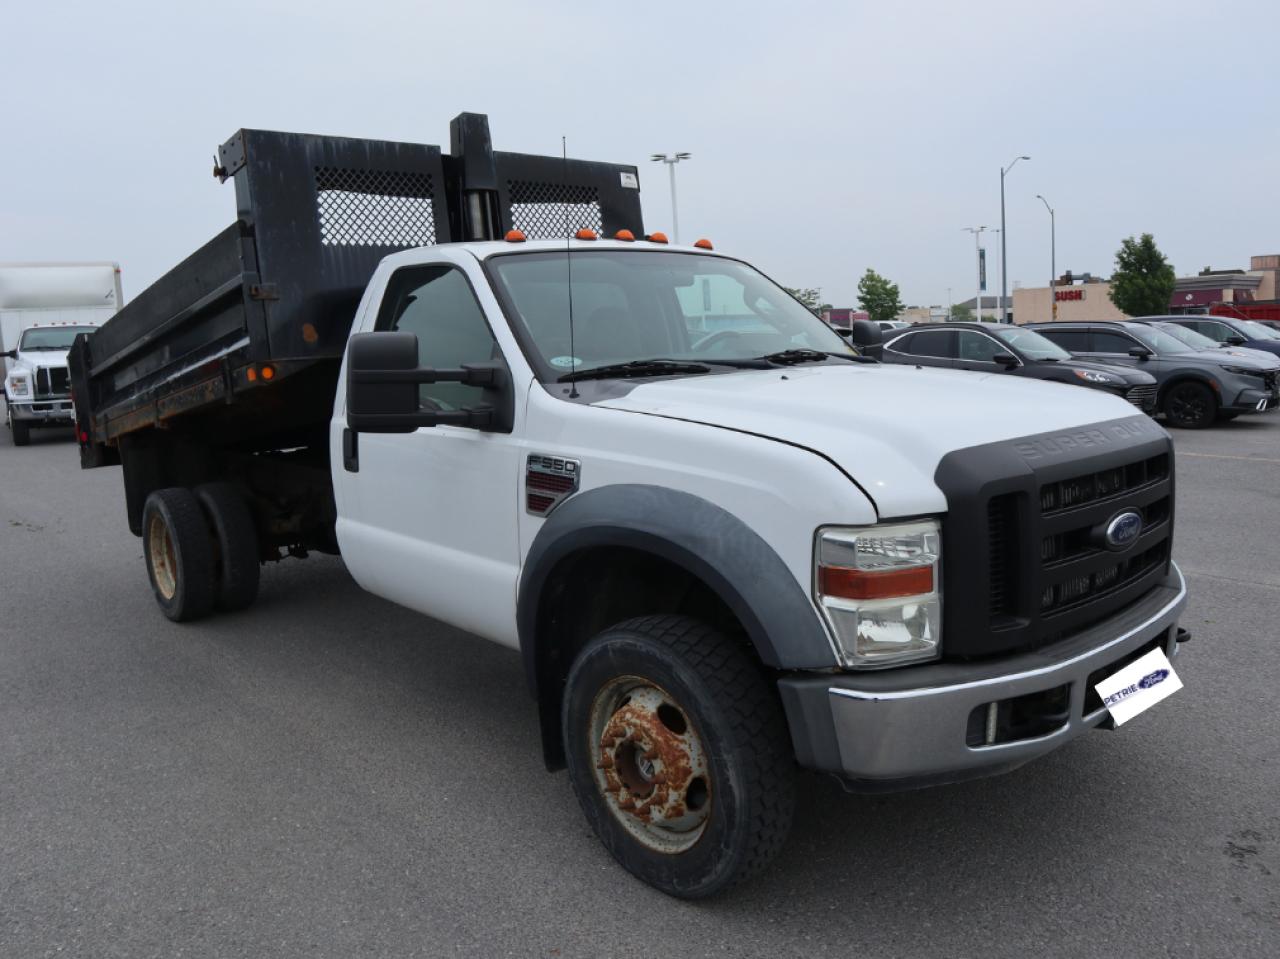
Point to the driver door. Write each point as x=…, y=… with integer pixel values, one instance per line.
x=427, y=520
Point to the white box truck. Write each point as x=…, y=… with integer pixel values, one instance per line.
x=42, y=308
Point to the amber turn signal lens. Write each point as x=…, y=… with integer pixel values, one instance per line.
x=844, y=583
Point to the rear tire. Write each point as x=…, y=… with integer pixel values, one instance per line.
x=235, y=539
x=21, y=432
x=1190, y=406
x=679, y=754
x=179, y=554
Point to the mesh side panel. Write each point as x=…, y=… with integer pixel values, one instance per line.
x=374, y=208
x=540, y=210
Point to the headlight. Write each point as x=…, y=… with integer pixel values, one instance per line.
x=1091, y=376
x=19, y=386
x=879, y=588
x=1243, y=371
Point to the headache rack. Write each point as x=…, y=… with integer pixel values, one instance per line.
x=280, y=286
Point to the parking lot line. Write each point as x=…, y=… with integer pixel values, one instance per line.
x=1222, y=456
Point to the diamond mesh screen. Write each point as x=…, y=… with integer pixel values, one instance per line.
x=374, y=208
x=540, y=210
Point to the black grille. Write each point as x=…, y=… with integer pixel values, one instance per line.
x=374, y=208
x=52, y=381
x=1141, y=396
x=1104, y=485
x=1025, y=531
x=550, y=211
x=1003, y=557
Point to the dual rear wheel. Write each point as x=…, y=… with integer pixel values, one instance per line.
x=201, y=549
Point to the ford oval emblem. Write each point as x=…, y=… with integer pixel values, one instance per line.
x=1123, y=530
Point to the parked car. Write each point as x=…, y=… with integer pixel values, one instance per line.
x=1018, y=351
x=1229, y=331
x=889, y=326
x=1196, y=387
x=1198, y=341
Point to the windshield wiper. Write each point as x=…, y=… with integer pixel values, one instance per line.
x=634, y=368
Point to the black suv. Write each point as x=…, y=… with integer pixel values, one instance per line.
x=1000, y=348
x=1196, y=386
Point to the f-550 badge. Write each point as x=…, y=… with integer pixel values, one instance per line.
x=548, y=481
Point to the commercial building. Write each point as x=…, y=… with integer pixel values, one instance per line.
x=843, y=317
x=1087, y=297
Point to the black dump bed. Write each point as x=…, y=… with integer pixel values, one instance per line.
x=239, y=344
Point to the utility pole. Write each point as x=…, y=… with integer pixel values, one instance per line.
x=1053, y=257
x=977, y=232
x=1004, y=264
x=671, y=162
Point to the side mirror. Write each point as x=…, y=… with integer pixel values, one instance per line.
x=1140, y=353
x=383, y=377
x=868, y=337
x=1235, y=341
x=1005, y=359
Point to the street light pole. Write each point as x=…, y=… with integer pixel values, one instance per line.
x=671, y=162
x=1004, y=262
x=977, y=232
x=1053, y=257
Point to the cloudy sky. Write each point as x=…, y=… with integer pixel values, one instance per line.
x=826, y=137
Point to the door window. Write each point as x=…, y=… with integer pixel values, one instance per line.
x=977, y=347
x=936, y=344
x=437, y=304
x=1105, y=341
x=1073, y=341
x=1219, y=332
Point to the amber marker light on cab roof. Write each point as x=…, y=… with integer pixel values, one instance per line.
x=657, y=238
x=585, y=234
x=625, y=235
x=704, y=244
x=515, y=236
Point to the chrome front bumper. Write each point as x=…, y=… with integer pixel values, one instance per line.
x=915, y=726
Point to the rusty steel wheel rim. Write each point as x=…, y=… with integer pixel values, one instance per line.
x=163, y=558
x=650, y=764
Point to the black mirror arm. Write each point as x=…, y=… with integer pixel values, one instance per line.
x=470, y=374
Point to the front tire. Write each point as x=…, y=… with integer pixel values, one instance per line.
x=179, y=554
x=679, y=754
x=21, y=432
x=1190, y=406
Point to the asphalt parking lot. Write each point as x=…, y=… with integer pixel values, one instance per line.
x=330, y=775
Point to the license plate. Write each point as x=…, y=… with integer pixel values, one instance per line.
x=1138, y=686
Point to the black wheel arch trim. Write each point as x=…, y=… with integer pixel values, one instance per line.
x=692, y=533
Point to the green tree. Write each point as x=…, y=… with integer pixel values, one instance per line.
x=960, y=314
x=1143, y=279
x=812, y=298
x=878, y=296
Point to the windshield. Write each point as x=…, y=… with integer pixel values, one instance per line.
x=1031, y=344
x=51, y=337
x=1197, y=341
x=1158, y=341
x=640, y=305
x=1259, y=332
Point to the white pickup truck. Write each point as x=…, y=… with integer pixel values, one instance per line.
x=725, y=545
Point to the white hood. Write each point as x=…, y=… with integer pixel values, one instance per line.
x=886, y=425
x=30, y=359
